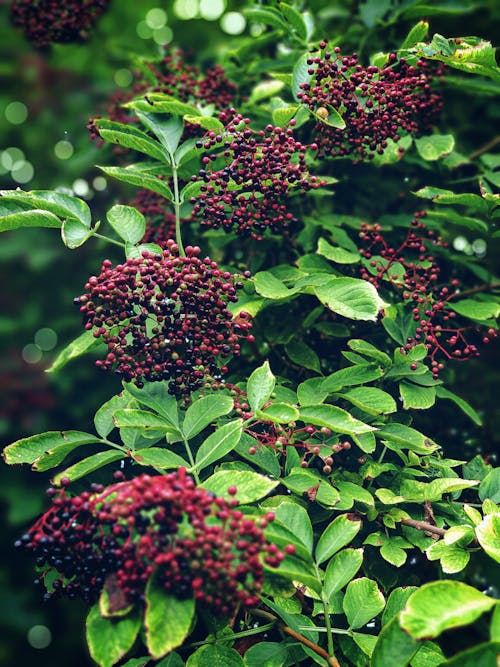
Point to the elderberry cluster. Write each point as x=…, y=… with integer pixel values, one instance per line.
x=248, y=177
x=160, y=222
x=115, y=538
x=61, y=21
x=165, y=317
x=411, y=267
x=376, y=103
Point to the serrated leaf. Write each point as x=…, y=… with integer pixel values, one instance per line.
x=167, y=130
x=435, y=146
x=250, y=486
x=218, y=444
x=270, y=287
x=203, y=412
x=28, y=450
x=33, y=218
x=440, y=196
x=334, y=418
x=130, y=137
x=206, y=122
x=109, y=639
x=156, y=457
x=476, y=310
x=291, y=513
x=88, y=465
x=340, y=532
x=161, y=103
x=300, y=74
x=140, y=179
x=74, y=233
x=141, y=419
x=167, y=619
x=393, y=554
x=371, y=400
x=135, y=251
x=279, y=413
x=362, y=602
x=103, y=418
x=416, y=34
x=266, y=654
x=283, y=115
x=336, y=254
x=310, y=391
x=352, y=298
x=416, y=397
x=260, y=386
x=61, y=205
x=341, y=569
x=215, y=655
x=128, y=223
x=155, y=395
x=441, y=605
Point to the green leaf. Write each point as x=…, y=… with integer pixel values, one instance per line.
x=310, y=392
x=279, y=413
x=56, y=455
x=130, y=137
x=33, y=218
x=407, y=437
x=393, y=554
x=142, y=419
x=128, y=223
x=362, y=602
x=28, y=450
x=350, y=297
x=435, y=146
x=135, y=251
x=417, y=397
x=472, y=54
x=341, y=569
x=215, y=655
x=300, y=74
x=336, y=419
x=337, y=255
x=168, y=131
x=488, y=535
x=283, y=115
x=495, y=624
x=103, y=418
x=441, y=605
x=490, y=486
x=203, y=412
x=368, y=350
x=218, y=444
x=312, y=486
x=441, y=392
x=266, y=654
x=156, y=457
x=265, y=89
x=290, y=513
x=161, y=103
x=88, y=465
x=481, y=655
x=340, y=532
x=167, y=620
x=271, y=287
x=267, y=16
x=351, y=376
x=155, y=396
x=453, y=558
x=394, y=647
x=371, y=400
x=61, y=205
x=476, y=310
x=250, y=485
x=109, y=639
x=74, y=233
x=440, y=196
x=350, y=492
x=86, y=342
x=396, y=601
x=295, y=19
x=260, y=386
x=416, y=34
x=302, y=355
x=140, y=179
x=205, y=122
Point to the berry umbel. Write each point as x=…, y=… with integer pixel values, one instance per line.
x=165, y=317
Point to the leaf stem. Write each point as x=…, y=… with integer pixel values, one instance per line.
x=106, y=238
x=191, y=459
x=177, y=209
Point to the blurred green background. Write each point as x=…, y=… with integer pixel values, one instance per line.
x=46, y=100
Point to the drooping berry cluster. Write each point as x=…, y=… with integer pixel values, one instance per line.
x=411, y=268
x=62, y=21
x=116, y=538
x=376, y=103
x=248, y=178
x=160, y=222
x=165, y=317
x=173, y=76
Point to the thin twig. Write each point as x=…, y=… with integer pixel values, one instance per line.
x=424, y=525
x=484, y=149
x=474, y=290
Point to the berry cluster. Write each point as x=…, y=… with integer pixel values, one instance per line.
x=64, y=21
x=116, y=537
x=411, y=268
x=172, y=76
x=247, y=188
x=376, y=103
x=165, y=317
x=160, y=222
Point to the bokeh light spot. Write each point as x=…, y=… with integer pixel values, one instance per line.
x=46, y=339
x=163, y=35
x=99, y=183
x=22, y=171
x=233, y=23
x=186, y=9
x=81, y=187
x=123, y=77
x=11, y=156
x=63, y=149
x=143, y=30
x=39, y=636
x=211, y=10
x=16, y=112
x=31, y=354
x=156, y=18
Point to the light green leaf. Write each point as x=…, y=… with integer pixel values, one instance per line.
x=73, y=233
x=218, y=444
x=396, y=601
x=495, y=624
x=132, y=418
x=453, y=558
x=204, y=411
x=265, y=89
x=416, y=34
x=368, y=350
x=279, y=413
x=341, y=569
x=260, y=386
x=130, y=137
x=336, y=254
x=61, y=205
x=476, y=310
x=350, y=297
x=472, y=54
x=266, y=654
x=88, y=465
x=372, y=400
x=394, y=647
x=155, y=395
x=349, y=492
x=481, y=655
x=215, y=655
x=33, y=218
x=393, y=554
x=140, y=179
x=407, y=437
x=365, y=441
x=128, y=223
x=86, y=342
x=167, y=130
x=270, y=287
x=336, y=419
x=167, y=619
x=295, y=19
x=283, y=115
x=135, y=251
x=250, y=485
x=435, y=146
x=109, y=639
x=156, y=457
x=206, y=122
x=300, y=74
x=488, y=535
x=292, y=514
x=340, y=532
x=441, y=605
x=362, y=602
x=417, y=397
x=28, y=450
x=307, y=483
x=161, y=103
x=300, y=353
x=103, y=418
x=440, y=196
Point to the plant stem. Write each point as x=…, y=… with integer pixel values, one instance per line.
x=106, y=238
x=328, y=626
x=191, y=459
x=424, y=526
x=177, y=208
